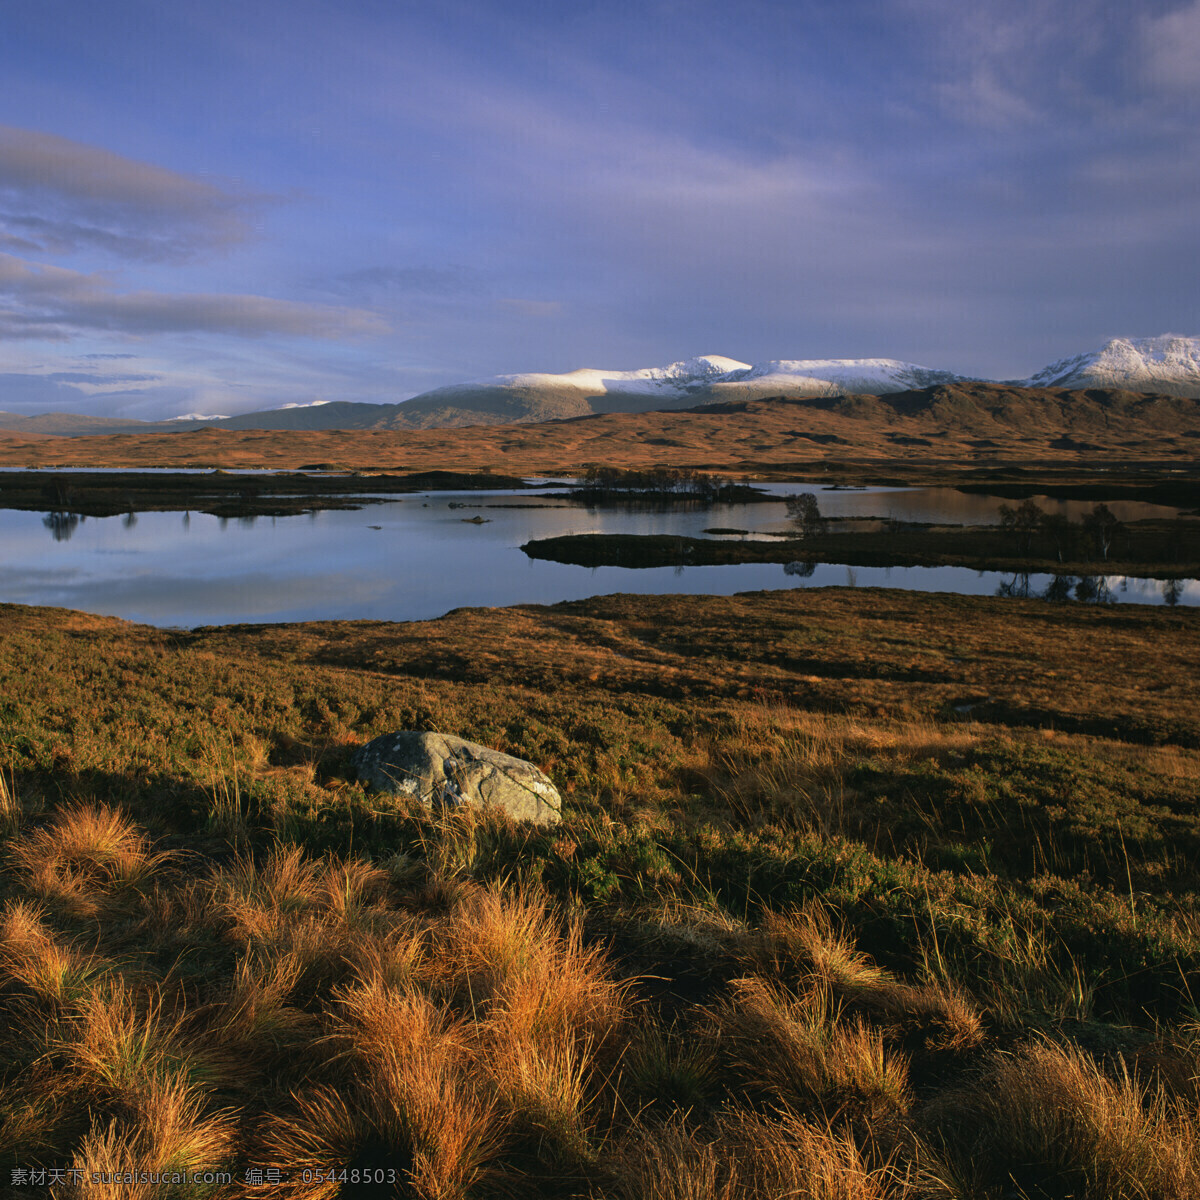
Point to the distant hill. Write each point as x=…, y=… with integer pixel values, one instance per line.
x=75, y=424
x=1164, y=366
x=966, y=423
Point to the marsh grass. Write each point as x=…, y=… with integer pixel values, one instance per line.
x=805, y=930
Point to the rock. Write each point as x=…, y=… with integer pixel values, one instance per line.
x=439, y=768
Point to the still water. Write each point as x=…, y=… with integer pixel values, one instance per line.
x=423, y=555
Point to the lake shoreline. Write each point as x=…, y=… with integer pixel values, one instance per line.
x=980, y=548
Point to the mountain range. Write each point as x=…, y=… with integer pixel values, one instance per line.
x=1168, y=365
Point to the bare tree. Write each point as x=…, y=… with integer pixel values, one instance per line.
x=1060, y=531
x=1022, y=521
x=1102, y=527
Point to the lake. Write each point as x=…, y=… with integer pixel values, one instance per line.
x=420, y=556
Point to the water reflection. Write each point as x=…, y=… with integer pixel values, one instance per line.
x=1017, y=586
x=1058, y=589
x=62, y=524
x=803, y=570
x=1094, y=589
x=419, y=559
x=1086, y=589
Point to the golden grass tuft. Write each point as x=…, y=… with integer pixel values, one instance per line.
x=1049, y=1124
x=256, y=1017
x=169, y=1134
x=89, y=854
x=747, y=1156
x=126, y=1044
x=505, y=956
x=801, y=1053
x=804, y=946
x=11, y=814
x=415, y=1091
x=35, y=958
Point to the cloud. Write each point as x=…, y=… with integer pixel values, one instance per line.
x=53, y=302
x=1171, y=48
x=21, y=392
x=58, y=196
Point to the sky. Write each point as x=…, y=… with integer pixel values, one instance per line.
x=230, y=206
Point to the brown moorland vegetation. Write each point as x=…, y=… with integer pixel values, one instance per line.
x=964, y=424
x=859, y=894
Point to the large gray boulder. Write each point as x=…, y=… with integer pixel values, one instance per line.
x=440, y=769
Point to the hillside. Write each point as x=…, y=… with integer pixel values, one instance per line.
x=1166, y=365
x=963, y=423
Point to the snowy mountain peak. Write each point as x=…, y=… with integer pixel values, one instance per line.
x=704, y=367
x=1169, y=364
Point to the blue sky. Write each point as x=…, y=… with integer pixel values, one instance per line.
x=234, y=205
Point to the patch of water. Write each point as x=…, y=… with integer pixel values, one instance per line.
x=410, y=559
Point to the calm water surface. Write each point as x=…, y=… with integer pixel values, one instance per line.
x=426, y=558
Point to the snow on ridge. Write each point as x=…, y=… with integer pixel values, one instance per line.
x=678, y=378
x=1168, y=363
x=862, y=374
x=199, y=417
x=1168, y=359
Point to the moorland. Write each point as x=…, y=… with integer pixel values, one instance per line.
x=947, y=433
x=858, y=894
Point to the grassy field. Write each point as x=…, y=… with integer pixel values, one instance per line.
x=859, y=895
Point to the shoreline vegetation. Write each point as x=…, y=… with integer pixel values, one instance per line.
x=1151, y=549
x=859, y=894
x=1027, y=539
x=226, y=494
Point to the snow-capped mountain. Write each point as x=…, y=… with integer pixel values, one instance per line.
x=679, y=376
x=1168, y=364
x=834, y=376
x=707, y=379
x=810, y=376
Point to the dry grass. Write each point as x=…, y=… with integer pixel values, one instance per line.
x=805, y=948
x=90, y=854
x=39, y=962
x=1052, y=1125
x=504, y=957
x=745, y=1156
x=169, y=1133
x=714, y=980
x=11, y=815
x=802, y=1053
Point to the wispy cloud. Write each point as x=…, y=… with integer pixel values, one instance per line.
x=53, y=302
x=1171, y=48
x=58, y=195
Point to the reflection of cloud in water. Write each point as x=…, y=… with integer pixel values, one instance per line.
x=184, y=569
x=168, y=600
